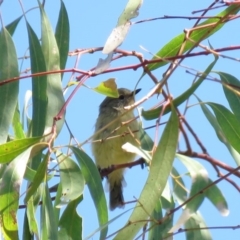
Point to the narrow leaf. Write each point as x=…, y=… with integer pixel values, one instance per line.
x=216, y=197
x=8, y=92
x=11, y=27
x=71, y=178
x=146, y=141
x=197, y=222
x=153, y=114
x=38, y=179
x=228, y=123
x=62, y=35
x=158, y=175
x=39, y=85
x=10, y=150
x=232, y=92
x=10, y=193
x=17, y=125
x=211, y=26
x=213, y=121
x=119, y=33
x=54, y=84
x=200, y=179
x=94, y=182
x=48, y=225
x=71, y=224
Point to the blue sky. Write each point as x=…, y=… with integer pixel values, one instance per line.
x=90, y=24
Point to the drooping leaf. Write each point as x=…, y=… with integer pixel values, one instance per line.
x=38, y=178
x=72, y=180
x=179, y=189
x=213, y=121
x=216, y=197
x=200, y=180
x=196, y=222
x=228, y=123
x=71, y=224
x=94, y=182
x=49, y=228
x=159, y=172
x=10, y=192
x=32, y=220
x=155, y=231
x=231, y=89
x=153, y=114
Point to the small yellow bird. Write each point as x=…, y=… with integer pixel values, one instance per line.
x=109, y=152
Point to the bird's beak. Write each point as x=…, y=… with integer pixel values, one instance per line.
x=136, y=91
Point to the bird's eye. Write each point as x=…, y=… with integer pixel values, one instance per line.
x=121, y=97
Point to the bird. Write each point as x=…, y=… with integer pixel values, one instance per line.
x=108, y=150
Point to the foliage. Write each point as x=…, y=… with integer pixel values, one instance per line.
x=28, y=150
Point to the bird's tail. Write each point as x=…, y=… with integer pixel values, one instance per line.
x=116, y=195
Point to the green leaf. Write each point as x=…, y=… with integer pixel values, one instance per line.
x=146, y=141
x=212, y=25
x=108, y=88
x=26, y=235
x=153, y=114
x=54, y=84
x=10, y=150
x=57, y=200
x=155, y=231
x=39, y=85
x=30, y=174
x=31, y=216
x=17, y=125
x=159, y=229
x=200, y=180
x=62, y=35
x=49, y=229
x=216, y=197
x=231, y=90
x=213, y=121
x=179, y=189
x=8, y=92
x=71, y=178
x=38, y=179
x=228, y=123
x=196, y=222
x=11, y=27
x=71, y=224
x=10, y=193
x=158, y=175
x=94, y=182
